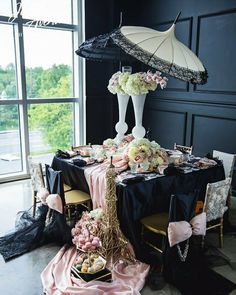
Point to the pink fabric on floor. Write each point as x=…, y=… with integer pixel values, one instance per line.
x=57, y=279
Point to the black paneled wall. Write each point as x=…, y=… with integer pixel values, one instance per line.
x=99, y=102
x=101, y=106
x=204, y=115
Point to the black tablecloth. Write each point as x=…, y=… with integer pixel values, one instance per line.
x=72, y=175
x=138, y=200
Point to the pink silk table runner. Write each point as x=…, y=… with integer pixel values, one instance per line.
x=95, y=177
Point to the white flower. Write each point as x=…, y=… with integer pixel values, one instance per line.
x=137, y=83
x=142, y=83
x=117, y=81
x=143, y=154
x=96, y=213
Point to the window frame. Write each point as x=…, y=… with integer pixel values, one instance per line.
x=78, y=74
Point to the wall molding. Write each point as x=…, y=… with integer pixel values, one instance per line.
x=199, y=23
x=189, y=20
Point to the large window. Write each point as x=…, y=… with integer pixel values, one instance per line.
x=41, y=93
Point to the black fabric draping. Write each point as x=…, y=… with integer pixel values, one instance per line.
x=137, y=200
x=57, y=229
x=72, y=175
x=27, y=235
x=30, y=233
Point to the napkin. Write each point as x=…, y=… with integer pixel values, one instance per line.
x=79, y=162
x=170, y=170
x=135, y=179
x=62, y=154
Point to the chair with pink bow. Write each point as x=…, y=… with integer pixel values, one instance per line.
x=158, y=224
x=184, y=263
x=183, y=223
x=70, y=198
x=56, y=229
x=37, y=181
x=215, y=206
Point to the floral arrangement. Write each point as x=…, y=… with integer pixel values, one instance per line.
x=115, y=144
x=144, y=155
x=110, y=143
x=143, y=82
x=137, y=83
x=117, y=82
x=85, y=232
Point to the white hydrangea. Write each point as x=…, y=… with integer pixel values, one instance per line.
x=117, y=81
x=137, y=83
x=144, y=153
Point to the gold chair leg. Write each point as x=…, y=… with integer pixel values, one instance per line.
x=221, y=233
x=228, y=201
x=34, y=203
x=65, y=211
x=89, y=205
x=163, y=241
x=69, y=212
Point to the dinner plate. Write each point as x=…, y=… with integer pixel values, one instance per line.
x=174, y=152
x=90, y=161
x=144, y=172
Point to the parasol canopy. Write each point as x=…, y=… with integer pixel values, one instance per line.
x=103, y=48
x=162, y=51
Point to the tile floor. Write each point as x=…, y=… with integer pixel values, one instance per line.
x=21, y=276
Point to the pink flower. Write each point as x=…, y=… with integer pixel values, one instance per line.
x=149, y=79
x=138, y=158
x=73, y=231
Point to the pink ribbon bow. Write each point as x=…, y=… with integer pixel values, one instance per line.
x=52, y=200
x=182, y=230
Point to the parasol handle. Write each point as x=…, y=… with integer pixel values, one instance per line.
x=121, y=18
x=177, y=17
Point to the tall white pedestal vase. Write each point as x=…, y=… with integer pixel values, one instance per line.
x=138, y=102
x=121, y=127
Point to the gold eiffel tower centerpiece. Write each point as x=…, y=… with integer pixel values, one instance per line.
x=114, y=243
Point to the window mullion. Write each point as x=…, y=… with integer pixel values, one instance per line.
x=21, y=79
x=78, y=68
x=77, y=98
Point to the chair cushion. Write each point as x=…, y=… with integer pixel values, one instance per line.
x=74, y=197
x=156, y=223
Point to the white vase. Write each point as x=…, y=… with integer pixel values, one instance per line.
x=138, y=102
x=121, y=127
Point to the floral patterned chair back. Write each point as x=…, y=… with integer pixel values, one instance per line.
x=36, y=173
x=228, y=161
x=215, y=199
